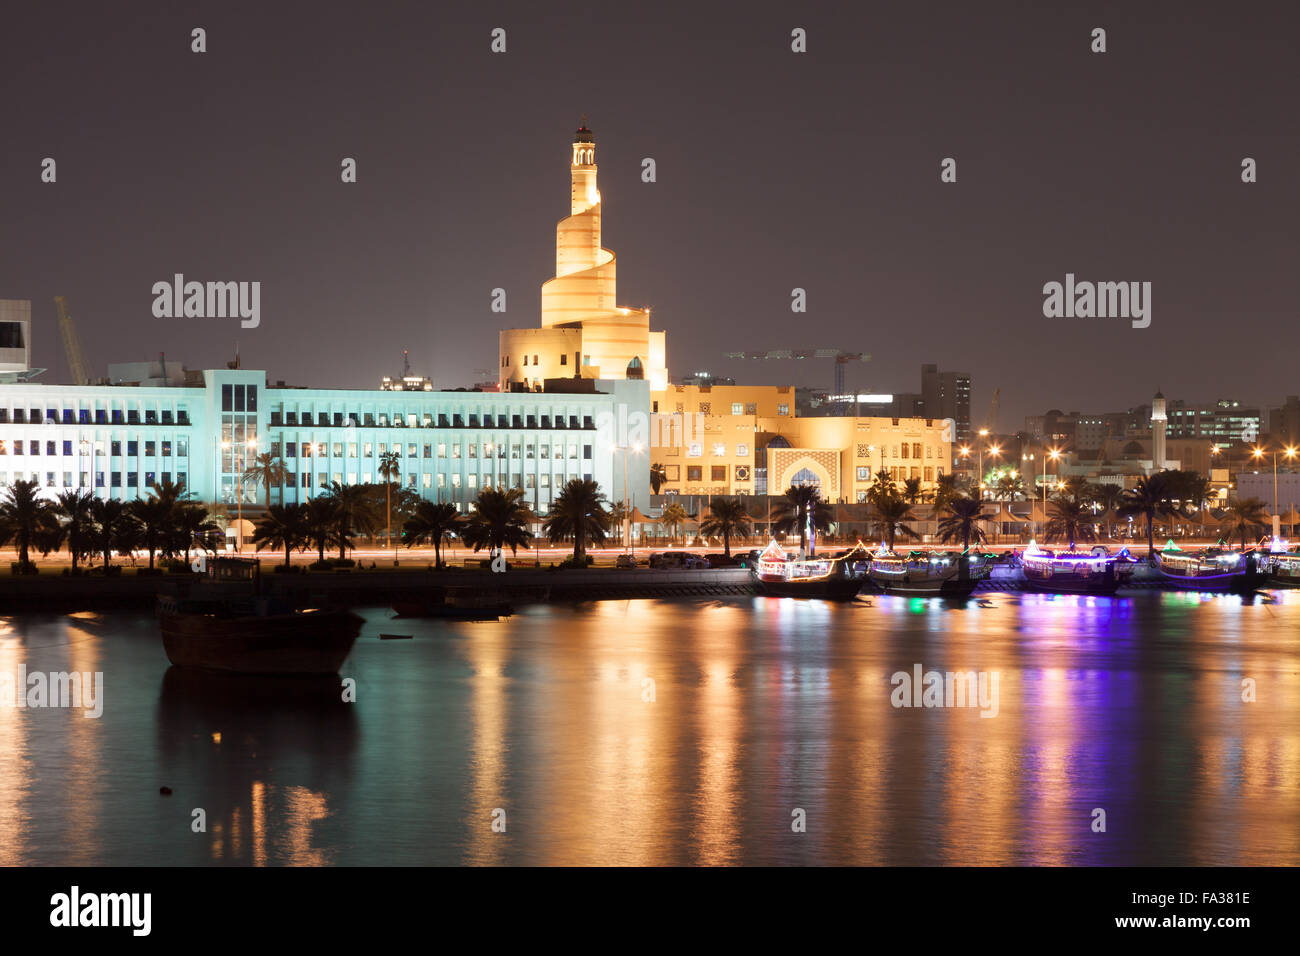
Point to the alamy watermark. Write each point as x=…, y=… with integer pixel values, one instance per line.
x=208, y=300
x=1101, y=300
x=922, y=688
x=61, y=689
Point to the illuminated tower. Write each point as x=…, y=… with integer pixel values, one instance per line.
x=584, y=332
x=1158, y=422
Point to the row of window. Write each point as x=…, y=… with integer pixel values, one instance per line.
x=368, y=450
x=98, y=416
x=114, y=478
x=696, y=450
x=67, y=446
x=901, y=473
x=427, y=420
x=440, y=480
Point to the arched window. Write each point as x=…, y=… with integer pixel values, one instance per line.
x=804, y=477
x=635, y=369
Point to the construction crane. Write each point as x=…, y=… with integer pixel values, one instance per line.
x=841, y=359
x=71, y=343
x=992, y=423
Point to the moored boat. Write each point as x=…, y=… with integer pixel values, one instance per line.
x=833, y=577
x=223, y=622
x=1076, y=572
x=1283, y=569
x=1213, y=569
x=953, y=574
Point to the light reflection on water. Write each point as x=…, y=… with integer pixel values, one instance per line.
x=662, y=732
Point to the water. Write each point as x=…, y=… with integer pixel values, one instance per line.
x=761, y=707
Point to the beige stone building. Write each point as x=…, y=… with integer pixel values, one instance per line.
x=746, y=440
x=584, y=333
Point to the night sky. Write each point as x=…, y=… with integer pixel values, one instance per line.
x=775, y=170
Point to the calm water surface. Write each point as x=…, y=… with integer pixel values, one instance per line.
x=760, y=707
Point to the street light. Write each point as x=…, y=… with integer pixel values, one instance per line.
x=627, y=512
x=1290, y=452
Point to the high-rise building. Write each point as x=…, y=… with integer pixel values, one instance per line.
x=584, y=332
x=947, y=395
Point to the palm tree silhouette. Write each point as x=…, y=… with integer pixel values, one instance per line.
x=673, y=517
x=267, y=470
x=499, y=520
x=1244, y=515
x=579, y=512
x=961, y=517
x=727, y=516
x=800, y=504
x=432, y=521
x=390, y=467
x=283, y=526
x=75, y=509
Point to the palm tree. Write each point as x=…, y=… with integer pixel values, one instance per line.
x=1149, y=497
x=1070, y=520
x=191, y=525
x=1106, y=496
x=1244, y=515
x=390, y=468
x=113, y=527
x=322, y=525
x=353, y=513
x=500, y=519
x=1009, y=487
x=153, y=515
x=434, y=521
x=893, y=512
x=578, y=512
x=727, y=516
x=801, y=504
x=912, y=490
x=283, y=526
x=75, y=509
x=961, y=516
x=24, y=517
x=267, y=470
x=945, y=490
x=673, y=517
x=658, y=476
x=882, y=487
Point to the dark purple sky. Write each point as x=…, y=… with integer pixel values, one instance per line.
x=775, y=170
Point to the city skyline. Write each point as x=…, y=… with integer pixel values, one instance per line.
x=168, y=166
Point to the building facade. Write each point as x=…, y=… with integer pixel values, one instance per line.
x=119, y=441
x=747, y=440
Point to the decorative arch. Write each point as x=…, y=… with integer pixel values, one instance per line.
x=635, y=369
x=797, y=466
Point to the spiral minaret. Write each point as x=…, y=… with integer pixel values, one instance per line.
x=583, y=330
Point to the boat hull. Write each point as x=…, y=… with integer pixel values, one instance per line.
x=1103, y=585
x=308, y=642
x=1237, y=582
x=452, y=612
x=951, y=587
x=828, y=589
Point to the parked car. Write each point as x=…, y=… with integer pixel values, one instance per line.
x=678, y=561
x=722, y=561
x=625, y=561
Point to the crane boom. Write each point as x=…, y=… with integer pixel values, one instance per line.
x=841, y=359
x=71, y=343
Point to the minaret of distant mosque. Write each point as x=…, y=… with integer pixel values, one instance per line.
x=584, y=333
x=1159, y=420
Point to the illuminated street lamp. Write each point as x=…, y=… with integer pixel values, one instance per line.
x=627, y=512
x=1290, y=451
